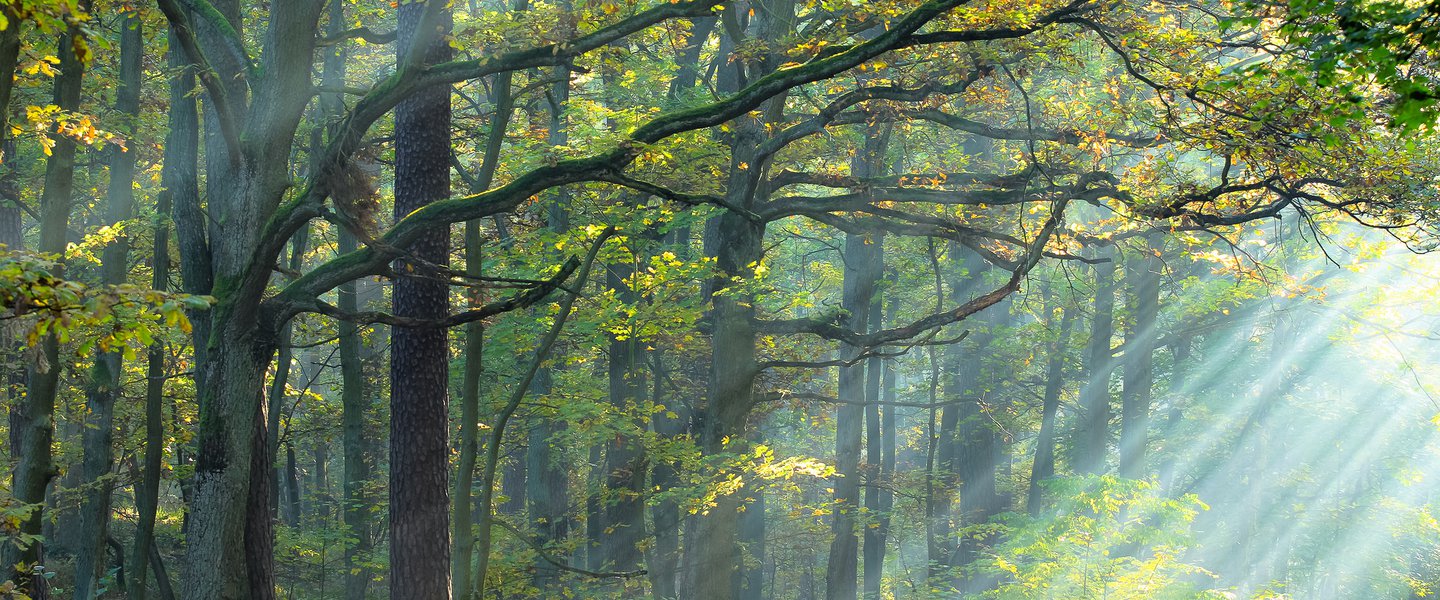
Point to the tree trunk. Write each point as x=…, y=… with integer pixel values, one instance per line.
x=104, y=385
x=547, y=482
x=279, y=404
x=179, y=186
x=12, y=371
x=665, y=520
x=888, y=430
x=464, y=505
x=879, y=453
x=1043, y=466
x=979, y=449
x=750, y=579
x=864, y=261
x=1142, y=276
x=32, y=421
x=419, y=428
x=1091, y=431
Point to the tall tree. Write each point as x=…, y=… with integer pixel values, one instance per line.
x=1043, y=466
x=104, y=386
x=464, y=505
x=32, y=424
x=1092, y=426
x=1142, y=276
x=864, y=262
x=420, y=357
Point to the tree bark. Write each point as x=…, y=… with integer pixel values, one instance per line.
x=1142, y=274
x=104, y=385
x=32, y=421
x=864, y=262
x=1091, y=431
x=1043, y=466
x=419, y=428
x=178, y=182
x=547, y=482
x=879, y=453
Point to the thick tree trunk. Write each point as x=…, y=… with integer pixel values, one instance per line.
x=1142, y=275
x=1091, y=429
x=104, y=385
x=32, y=421
x=419, y=358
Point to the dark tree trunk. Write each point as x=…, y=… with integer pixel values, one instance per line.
x=419, y=358
x=888, y=429
x=879, y=452
x=623, y=471
x=1092, y=427
x=864, y=262
x=1142, y=275
x=279, y=404
x=12, y=371
x=32, y=421
x=547, y=482
x=750, y=579
x=104, y=386
x=665, y=520
x=179, y=186
x=1044, y=465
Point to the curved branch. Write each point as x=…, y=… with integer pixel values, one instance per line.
x=219, y=97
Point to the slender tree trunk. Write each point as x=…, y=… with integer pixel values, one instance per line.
x=879, y=456
x=886, y=484
x=502, y=418
x=419, y=450
x=623, y=473
x=12, y=372
x=1043, y=466
x=547, y=482
x=1142, y=276
x=864, y=263
x=180, y=187
x=959, y=372
x=278, y=405
x=750, y=579
x=1091, y=431
x=1180, y=351
x=464, y=505
x=104, y=385
x=664, y=563
x=979, y=449
x=32, y=422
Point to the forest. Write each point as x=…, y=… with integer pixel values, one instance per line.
x=720, y=299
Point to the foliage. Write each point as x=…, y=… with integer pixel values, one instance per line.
x=1104, y=537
